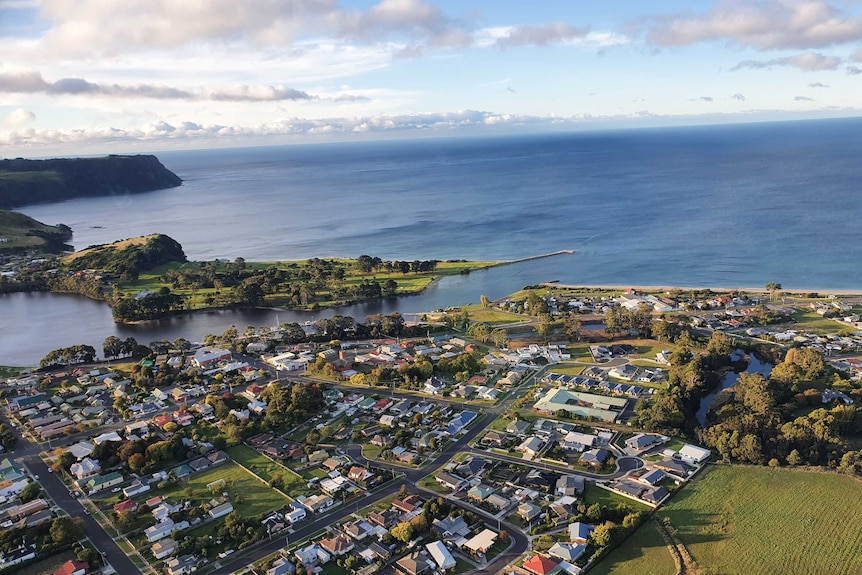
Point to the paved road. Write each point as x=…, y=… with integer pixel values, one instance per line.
x=625, y=465
x=61, y=496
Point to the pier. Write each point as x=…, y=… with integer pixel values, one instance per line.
x=538, y=257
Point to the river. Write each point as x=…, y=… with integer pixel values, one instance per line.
x=35, y=323
x=729, y=380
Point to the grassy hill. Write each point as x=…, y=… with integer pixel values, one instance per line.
x=19, y=232
x=130, y=256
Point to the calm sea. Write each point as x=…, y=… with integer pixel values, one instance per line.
x=732, y=206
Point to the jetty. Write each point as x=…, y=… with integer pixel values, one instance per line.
x=538, y=257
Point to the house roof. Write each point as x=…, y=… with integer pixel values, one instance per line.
x=71, y=566
x=567, y=551
x=540, y=565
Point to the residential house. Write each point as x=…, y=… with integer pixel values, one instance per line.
x=642, y=441
x=359, y=474
x=580, y=532
x=653, y=477
x=164, y=548
x=181, y=565
x=528, y=512
x=415, y=563
x=594, y=458
x=408, y=505
x=694, y=454
x=126, y=505
x=208, y=357
x=497, y=501
x=337, y=546
x=358, y=529
x=673, y=467
x=96, y=483
x=472, y=466
x=518, y=427
x=136, y=487
x=480, y=492
x=434, y=386
x=282, y=566
x=85, y=468
x=441, y=555
x=295, y=516
x=312, y=555
x=479, y=544
x=449, y=481
x=160, y=530
x=385, y=519
x=567, y=551
x=530, y=446
x=492, y=439
x=541, y=565
x=570, y=485
x=73, y=567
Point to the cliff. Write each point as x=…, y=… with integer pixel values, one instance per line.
x=25, y=182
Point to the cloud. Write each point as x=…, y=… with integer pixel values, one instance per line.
x=32, y=83
x=351, y=98
x=817, y=85
x=803, y=99
x=19, y=117
x=763, y=25
x=258, y=94
x=553, y=33
x=806, y=61
x=705, y=98
x=854, y=70
x=739, y=96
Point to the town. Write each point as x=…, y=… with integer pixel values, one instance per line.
x=455, y=452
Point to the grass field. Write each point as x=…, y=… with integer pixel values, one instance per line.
x=409, y=283
x=568, y=369
x=740, y=520
x=593, y=494
x=249, y=496
x=492, y=317
x=644, y=553
x=810, y=321
x=264, y=468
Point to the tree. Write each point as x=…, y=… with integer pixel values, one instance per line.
x=31, y=492
x=573, y=326
x=485, y=301
x=793, y=458
x=66, y=530
x=772, y=288
x=500, y=337
x=479, y=331
x=112, y=346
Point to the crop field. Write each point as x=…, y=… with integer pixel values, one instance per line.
x=644, y=553
x=740, y=520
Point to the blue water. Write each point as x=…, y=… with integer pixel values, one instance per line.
x=714, y=206
x=728, y=206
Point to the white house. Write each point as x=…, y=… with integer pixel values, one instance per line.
x=440, y=555
x=694, y=454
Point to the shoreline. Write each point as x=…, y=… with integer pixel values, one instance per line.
x=722, y=289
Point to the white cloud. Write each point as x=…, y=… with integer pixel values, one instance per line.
x=739, y=96
x=854, y=70
x=817, y=85
x=806, y=61
x=19, y=117
x=763, y=25
x=803, y=99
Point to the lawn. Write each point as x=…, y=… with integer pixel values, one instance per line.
x=644, y=553
x=810, y=321
x=492, y=317
x=431, y=484
x=593, y=494
x=250, y=496
x=761, y=520
x=9, y=371
x=260, y=465
x=568, y=369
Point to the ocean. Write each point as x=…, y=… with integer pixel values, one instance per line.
x=716, y=206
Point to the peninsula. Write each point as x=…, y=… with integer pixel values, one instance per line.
x=25, y=182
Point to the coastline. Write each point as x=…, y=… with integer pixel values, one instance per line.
x=722, y=289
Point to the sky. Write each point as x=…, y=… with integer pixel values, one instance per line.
x=121, y=76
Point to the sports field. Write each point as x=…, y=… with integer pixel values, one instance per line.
x=742, y=520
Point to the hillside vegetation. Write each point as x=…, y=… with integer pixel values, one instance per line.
x=128, y=258
x=19, y=232
x=24, y=182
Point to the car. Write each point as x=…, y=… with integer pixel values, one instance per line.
x=50, y=470
x=116, y=489
x=87, y=511
x=36, y=477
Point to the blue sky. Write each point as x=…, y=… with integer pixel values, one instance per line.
x=90, y=76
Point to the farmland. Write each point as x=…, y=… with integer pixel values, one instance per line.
x=738, y=520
